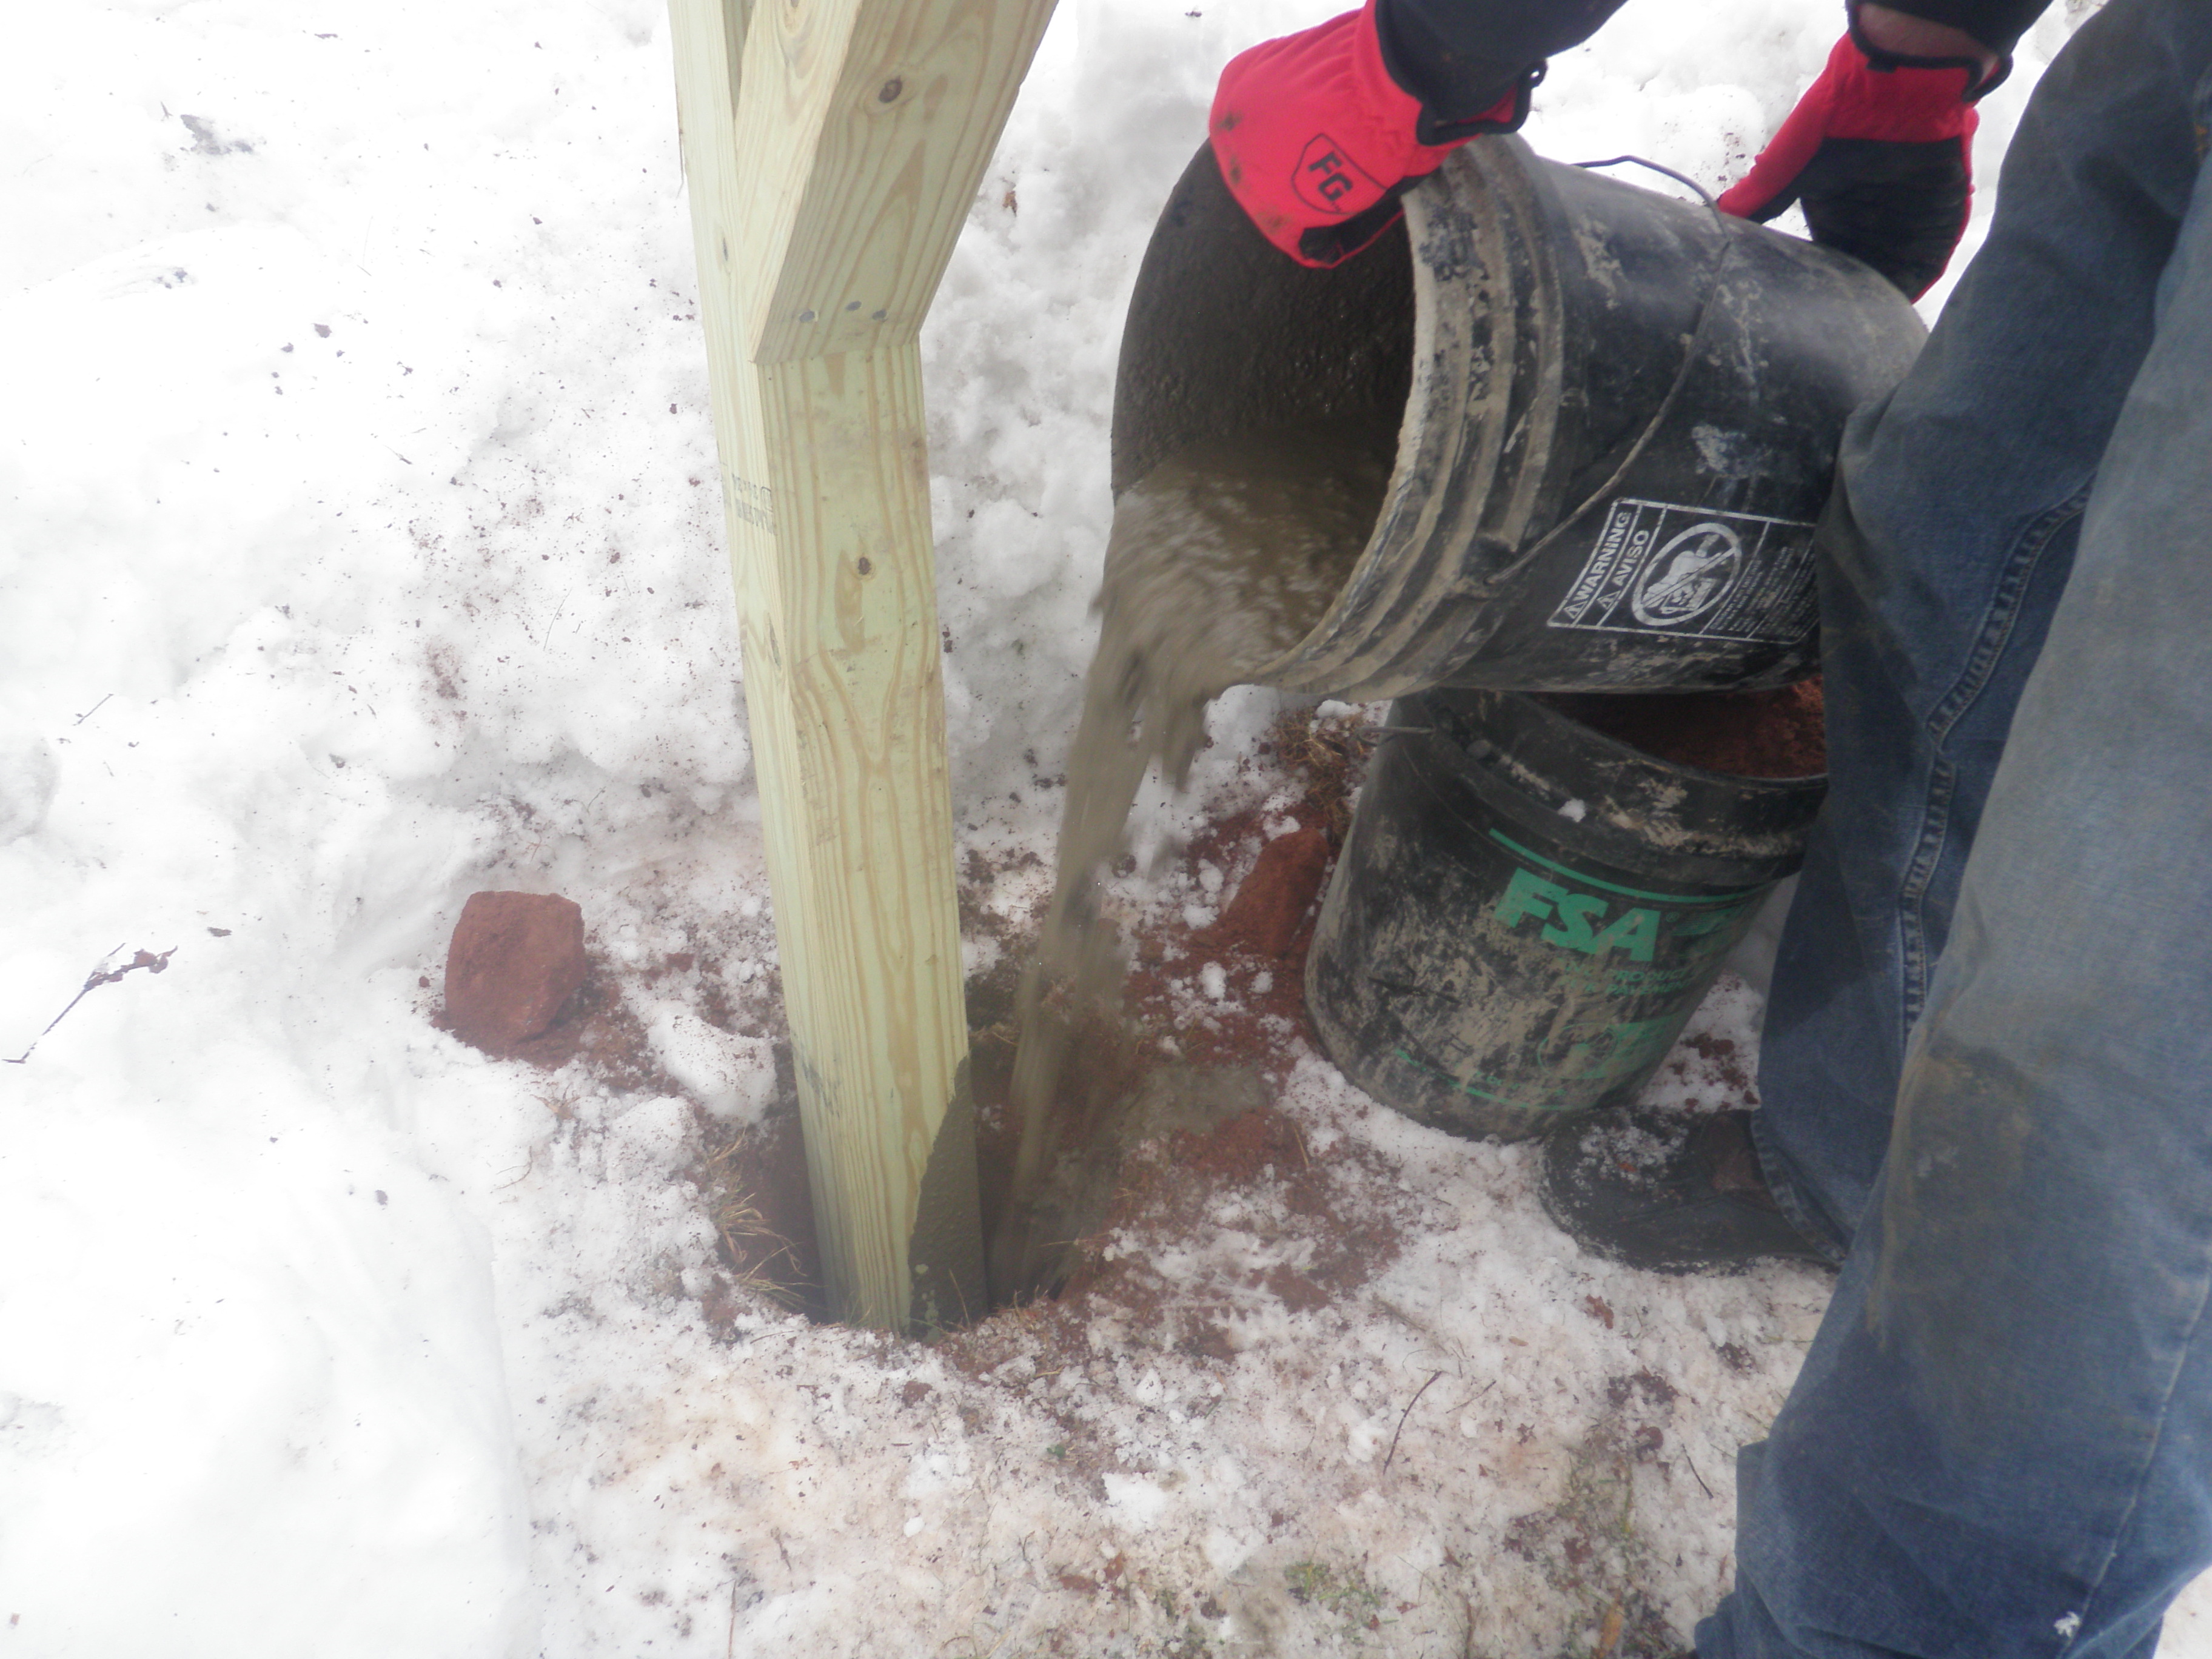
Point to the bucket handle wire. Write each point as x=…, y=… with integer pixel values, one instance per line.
x=1690, y=351
x=1681, y=179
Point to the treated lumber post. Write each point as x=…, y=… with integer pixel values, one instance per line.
x=832, y=148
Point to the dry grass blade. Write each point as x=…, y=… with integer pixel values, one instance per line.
x=1330, y=755
x=761, y=1259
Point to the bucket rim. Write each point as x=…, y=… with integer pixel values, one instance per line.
x=1473, y=228
x=1731, y=828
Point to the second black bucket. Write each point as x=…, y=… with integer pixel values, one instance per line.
x=1527, y=912
x=1618, y=416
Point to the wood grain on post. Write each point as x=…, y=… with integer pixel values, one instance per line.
x=832, y=148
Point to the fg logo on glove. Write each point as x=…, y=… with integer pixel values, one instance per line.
x=1327, y=182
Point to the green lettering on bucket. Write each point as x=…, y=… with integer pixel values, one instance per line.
x=1529, y=895
x=1654, y=981
x=1575, y=918
x=1713, y=921
x=1637, y=933
x=1610, y=1052
x=1572, y=932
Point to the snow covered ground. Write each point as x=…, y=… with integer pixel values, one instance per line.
x=360, y=550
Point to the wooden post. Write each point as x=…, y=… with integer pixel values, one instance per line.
x=832, y=148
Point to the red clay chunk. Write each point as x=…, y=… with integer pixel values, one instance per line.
x=1263, y=917
x=514, y=959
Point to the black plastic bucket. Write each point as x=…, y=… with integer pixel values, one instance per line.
x=1527, y=912
x=1618, y=416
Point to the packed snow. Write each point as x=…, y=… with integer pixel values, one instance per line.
x=362, y=549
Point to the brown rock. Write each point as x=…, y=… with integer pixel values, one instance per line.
x=515, y=958
x=1263, y=917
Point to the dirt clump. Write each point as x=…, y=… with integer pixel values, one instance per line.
x=1748, y=734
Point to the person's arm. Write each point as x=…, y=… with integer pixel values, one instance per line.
x=1903, y=35
x=1458, y=58
x=1319, y=133
x=1991, y=25
x=1879, y=151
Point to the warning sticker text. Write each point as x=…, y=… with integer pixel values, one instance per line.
x=1660, y=567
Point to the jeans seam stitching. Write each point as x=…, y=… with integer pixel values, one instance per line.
x=2003, y=614
x=1998, y=625
x=1781, y=1185
x=2142, y=1473
x=1919, y=875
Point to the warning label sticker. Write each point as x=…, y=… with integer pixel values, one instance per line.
x=1660, y=567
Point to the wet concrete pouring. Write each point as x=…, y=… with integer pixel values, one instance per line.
x=1219, y=561
x=1187, y=1083
x=1188, y=1092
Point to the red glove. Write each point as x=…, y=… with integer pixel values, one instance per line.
x=1317, y=143
x=1879, y=151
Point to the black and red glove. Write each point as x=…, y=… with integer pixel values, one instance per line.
x=1879, y=151
x=1317, y=141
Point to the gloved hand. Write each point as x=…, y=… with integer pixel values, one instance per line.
x=1879, y=151
x=1317, y=143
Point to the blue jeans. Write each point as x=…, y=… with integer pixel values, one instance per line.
x=1988, y=1062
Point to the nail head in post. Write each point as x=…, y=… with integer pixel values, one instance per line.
x=865, y=565
x=805, y=316
x=877, y=316
x=889, y=92
x=851, y=305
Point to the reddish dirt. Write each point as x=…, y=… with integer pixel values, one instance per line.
x=594, y=1022
x=1264, y=918
x=1261, y=1031
x=1719, y=1053
x=1255, y=1029
x=771, y=1245
x=514, y=960
x=1239, y=1033
x=1266, y=929
x=1751, y=734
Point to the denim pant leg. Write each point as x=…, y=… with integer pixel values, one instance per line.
x=1942, y=558
x=2001, y=1441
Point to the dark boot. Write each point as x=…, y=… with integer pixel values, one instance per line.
x=1668, y=1192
